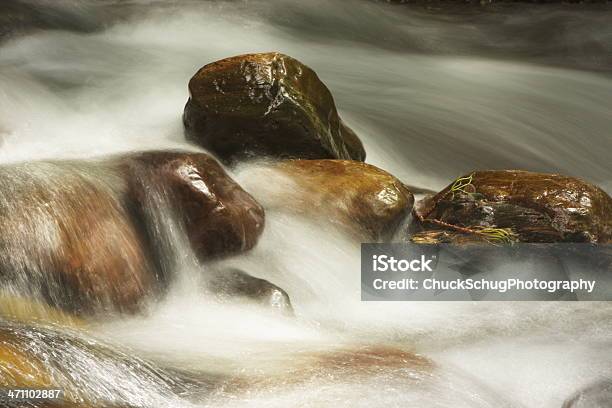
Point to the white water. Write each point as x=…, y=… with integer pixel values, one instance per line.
x=423, y=113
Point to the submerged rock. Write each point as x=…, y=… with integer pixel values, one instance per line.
x=218, y=216
x=359, y=197
x=18, y=369
x=67, y=238
x=88, y=372
x=266, y=104
x=348, y=365
x=29, y=310
x=234, y=283
x=526, y=206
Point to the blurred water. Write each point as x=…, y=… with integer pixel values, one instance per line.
x=432, y=93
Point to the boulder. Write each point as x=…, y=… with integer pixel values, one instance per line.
x=88, y=236
x=521, y=206
x=358, y=197
x=233, y=283
x=217, y=215
x=266, y=104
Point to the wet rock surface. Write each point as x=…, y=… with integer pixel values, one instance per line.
x=266, y=104
x=528, y=207
x=356, y=196
x=347, y=363
x=87, y=371
x=565, y=221
x=91, y=237
x=236, y=284
x=18, y=369
x=218, y=216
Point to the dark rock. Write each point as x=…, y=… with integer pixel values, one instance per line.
x=218, y=216
x=532, y=207
x=352, y=194
x=234, y=283
x=266, y=104
x=598, y=395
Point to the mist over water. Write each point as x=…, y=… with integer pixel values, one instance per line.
x=433, y=94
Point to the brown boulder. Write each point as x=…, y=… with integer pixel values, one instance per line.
x=354, y=195
x=529, y=207
x=88, y=237
x=266, y=104
x=218, y=216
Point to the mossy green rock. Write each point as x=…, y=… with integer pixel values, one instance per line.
x=266, y=104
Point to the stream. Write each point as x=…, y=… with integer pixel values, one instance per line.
x=433, y=93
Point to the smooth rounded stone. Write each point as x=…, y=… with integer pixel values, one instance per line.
x=537, y=207
x=360, y=198
x=598, y=395
x=218, y=216
x=266, y=104
x=233, y=283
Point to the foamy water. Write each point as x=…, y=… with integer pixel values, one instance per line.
x=431, y=96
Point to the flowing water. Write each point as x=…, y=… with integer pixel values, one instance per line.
x=432, y=92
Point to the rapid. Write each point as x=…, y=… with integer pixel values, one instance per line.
x=432, y=93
